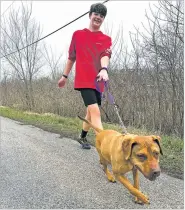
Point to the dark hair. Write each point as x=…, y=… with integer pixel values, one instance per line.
x=98, y=8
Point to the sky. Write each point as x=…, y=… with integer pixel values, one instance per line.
x=54, y=14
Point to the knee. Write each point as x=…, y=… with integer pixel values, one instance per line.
x=88, y=115
x=94, y=109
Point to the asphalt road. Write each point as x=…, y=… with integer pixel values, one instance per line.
x=40, y=170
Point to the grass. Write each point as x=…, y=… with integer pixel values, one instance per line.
x=172, y=162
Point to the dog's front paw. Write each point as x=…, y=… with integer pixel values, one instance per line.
x=138, y=201
x=145, y=200
x=111, y=178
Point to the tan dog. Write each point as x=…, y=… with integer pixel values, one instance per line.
x=126, y=153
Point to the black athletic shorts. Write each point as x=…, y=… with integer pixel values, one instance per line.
x=90, y=96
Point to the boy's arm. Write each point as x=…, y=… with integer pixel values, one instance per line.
x=103, y=75
x=70, y=62
x=104, y=61
x=68, y=67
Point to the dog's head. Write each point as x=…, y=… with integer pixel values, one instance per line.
x=143, y=152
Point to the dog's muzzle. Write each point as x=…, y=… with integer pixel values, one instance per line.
x=154, y=174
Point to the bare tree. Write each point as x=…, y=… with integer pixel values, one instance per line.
x=18, y=31
x=53, y=62
x=162, y=51
x=173, y=13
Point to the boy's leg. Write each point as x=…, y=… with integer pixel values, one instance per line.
x=86, y=126
x=95, y=115
x=92, y=99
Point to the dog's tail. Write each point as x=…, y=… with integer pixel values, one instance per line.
x=94, y=127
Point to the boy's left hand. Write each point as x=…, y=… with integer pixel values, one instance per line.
x=103, y=75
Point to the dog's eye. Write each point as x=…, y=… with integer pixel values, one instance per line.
x=142, y=157
x=156, y=154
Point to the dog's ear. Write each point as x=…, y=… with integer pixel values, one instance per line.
x=157, y=139
x=127, y=146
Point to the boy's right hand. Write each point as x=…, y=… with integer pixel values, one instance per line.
x=62, y=82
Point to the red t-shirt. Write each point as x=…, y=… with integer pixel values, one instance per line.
x=87, y=48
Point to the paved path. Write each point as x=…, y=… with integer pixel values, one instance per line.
x=41, y=170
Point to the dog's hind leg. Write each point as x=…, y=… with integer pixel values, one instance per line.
x=104, y=162
x=110, y=176
x=98, y=145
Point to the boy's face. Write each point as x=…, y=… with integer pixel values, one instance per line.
x=96, y=19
